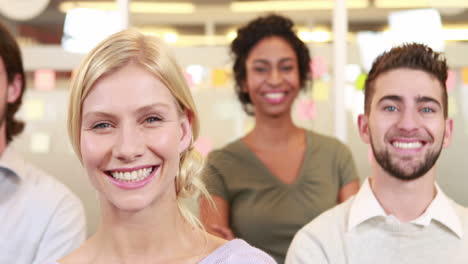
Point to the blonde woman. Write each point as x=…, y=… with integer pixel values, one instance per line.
x=132, y=122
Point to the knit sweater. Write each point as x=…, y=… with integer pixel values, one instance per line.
x=381, y=239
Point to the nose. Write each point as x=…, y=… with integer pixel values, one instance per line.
x=129, y=144
x=409, y=120
x=274, y=77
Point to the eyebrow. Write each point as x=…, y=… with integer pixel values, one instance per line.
x=99, y=114
x=395, y=98
x=426, y=99
x=143, y=109
x=419, y=99
x=152, y=106
x=263, y=61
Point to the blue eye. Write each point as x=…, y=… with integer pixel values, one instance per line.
x=427, y=110
x=390, y=108
x=152, y=119
x=100, y=126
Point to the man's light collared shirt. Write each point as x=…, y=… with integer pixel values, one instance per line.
x=41, y=219
x=365, y=206
x=359, y=231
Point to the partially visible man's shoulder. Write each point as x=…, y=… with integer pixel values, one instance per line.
x=46, y=188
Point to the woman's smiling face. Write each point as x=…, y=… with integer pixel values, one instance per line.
x=272, y=77
x=132, y=135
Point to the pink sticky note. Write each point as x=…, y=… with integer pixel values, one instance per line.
x=44, y=80
x=306, y=109
x=451, y=80
x=203, y=145
x=318, y=66
x=189, y=80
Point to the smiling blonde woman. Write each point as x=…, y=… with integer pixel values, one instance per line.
x=132, y=123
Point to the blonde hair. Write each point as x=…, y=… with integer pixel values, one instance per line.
x=150, y=53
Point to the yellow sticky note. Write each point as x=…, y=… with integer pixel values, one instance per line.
x=464, y=74
x=320, y=91
x=452, y=106
x=219, y=77
x=33, y=109
x=40, y=143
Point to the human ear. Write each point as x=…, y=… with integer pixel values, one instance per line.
x=448, y=132
x=14, y=89
x=363, y=126
x=186, y=137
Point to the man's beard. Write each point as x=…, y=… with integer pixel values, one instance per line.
x=384, y=159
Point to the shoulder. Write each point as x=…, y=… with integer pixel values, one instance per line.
x=330, y=223
x=47, y=186
x=46, y=194
x=320, y=237
x=238, y=251
x=232, y=150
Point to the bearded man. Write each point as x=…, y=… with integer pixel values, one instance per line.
x=399, y=215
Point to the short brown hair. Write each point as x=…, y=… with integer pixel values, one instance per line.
x=412, y=56
x=11, y=56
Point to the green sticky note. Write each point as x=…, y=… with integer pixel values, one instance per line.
x=361, y=81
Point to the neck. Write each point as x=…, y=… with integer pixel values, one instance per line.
x=3, y=138
x=271, y=131
x=406, y=200
x=158, y=233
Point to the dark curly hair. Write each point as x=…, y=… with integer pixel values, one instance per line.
x=11, y=56
x=412, y=56
x=248, y=36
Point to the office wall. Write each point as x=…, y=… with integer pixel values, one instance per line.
x=45, y=140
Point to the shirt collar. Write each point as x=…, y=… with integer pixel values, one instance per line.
x=12, y=163
x=365, y=206
x=441, y=209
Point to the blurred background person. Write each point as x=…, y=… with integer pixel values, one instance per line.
x=41, y=218
x=278, y=177
x=132, y=122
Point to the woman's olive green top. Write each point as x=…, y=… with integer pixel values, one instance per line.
x=266, y=212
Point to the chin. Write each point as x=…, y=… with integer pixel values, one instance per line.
x=131, y=204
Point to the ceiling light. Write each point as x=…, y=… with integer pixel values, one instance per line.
x=171, y=37
x=270, y=6
x=420, y=3
x=231, y=35
x=135, y=7
x=455, y=33
x=315, y=36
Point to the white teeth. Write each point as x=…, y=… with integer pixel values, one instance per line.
x=136, y=175
x=274, y=95
x=407, y=145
